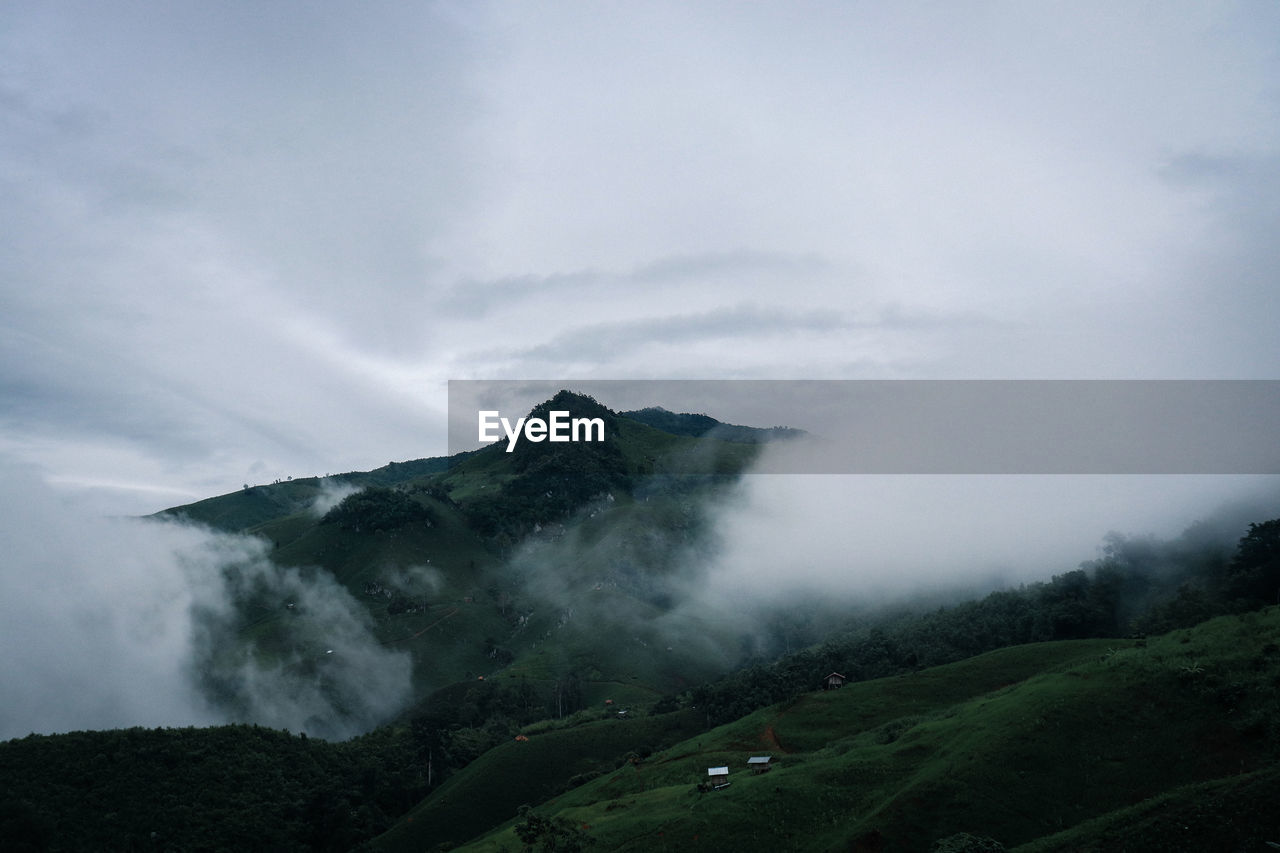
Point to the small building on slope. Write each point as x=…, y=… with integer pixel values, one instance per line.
x=718, y=777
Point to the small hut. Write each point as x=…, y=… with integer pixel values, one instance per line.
x=718, y=777
x=758, y=764
x=834, y=681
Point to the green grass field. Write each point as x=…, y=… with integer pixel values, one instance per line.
x=520, y=772
x=1021, y=745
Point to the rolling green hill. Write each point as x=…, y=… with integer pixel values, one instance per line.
x=1168, y=743
x=491, y=788
x=1054, y=746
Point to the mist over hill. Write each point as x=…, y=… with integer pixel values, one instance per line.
x=654, y=560
x=425, y=613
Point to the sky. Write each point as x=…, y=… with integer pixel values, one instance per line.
x=245, y=241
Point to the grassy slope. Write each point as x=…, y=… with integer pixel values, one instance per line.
x=1232, y=813
x=490, y=789
x=239, y=511
x=1017, y=745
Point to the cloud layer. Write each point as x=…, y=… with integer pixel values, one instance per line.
x=120, y=622
x=869, y=538
x=240, y=244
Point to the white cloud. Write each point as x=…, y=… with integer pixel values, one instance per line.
x=332, y=493
x=113, y=623
x=868, y=536
x=241, y=243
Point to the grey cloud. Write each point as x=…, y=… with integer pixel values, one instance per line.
x=1228, y=278
x=1197, y=168
x=67, y=390
x=480, y=298
x=258, y=237
x=615, y=343
x=869, y=537
x=331, y=494
x=269, y=234
x=331, y=678
x=608, y=343
x=114, y=623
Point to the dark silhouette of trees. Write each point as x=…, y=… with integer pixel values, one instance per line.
x=549, y=835
x=1254, y=573
x=377, y=508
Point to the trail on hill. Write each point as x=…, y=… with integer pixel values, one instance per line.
x=770, y=739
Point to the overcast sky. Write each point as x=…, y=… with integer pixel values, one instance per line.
x=245, y=240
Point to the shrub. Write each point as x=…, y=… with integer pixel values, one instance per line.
x=376, y=508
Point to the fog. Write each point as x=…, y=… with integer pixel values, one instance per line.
x=331, y=494
x=110, y=623
x=876, y=537
x=131, y=622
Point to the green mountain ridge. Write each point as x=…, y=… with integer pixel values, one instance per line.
x=540, y=597
x=255, y=505
x=455, y=524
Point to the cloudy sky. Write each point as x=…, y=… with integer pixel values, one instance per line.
x=243, y=240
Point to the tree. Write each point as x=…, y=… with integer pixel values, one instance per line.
x=376, y=508
x=1254, y=573
x=549, y=835
x=566, y=696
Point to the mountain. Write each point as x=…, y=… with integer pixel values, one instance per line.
x=567, y=687
x=701, y=425
x=555, y=563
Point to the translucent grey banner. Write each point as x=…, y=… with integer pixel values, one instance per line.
x=944, y=426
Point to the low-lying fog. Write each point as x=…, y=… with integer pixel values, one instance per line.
x=121, y=622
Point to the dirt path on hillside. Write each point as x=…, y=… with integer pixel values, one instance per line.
x=770, y=738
